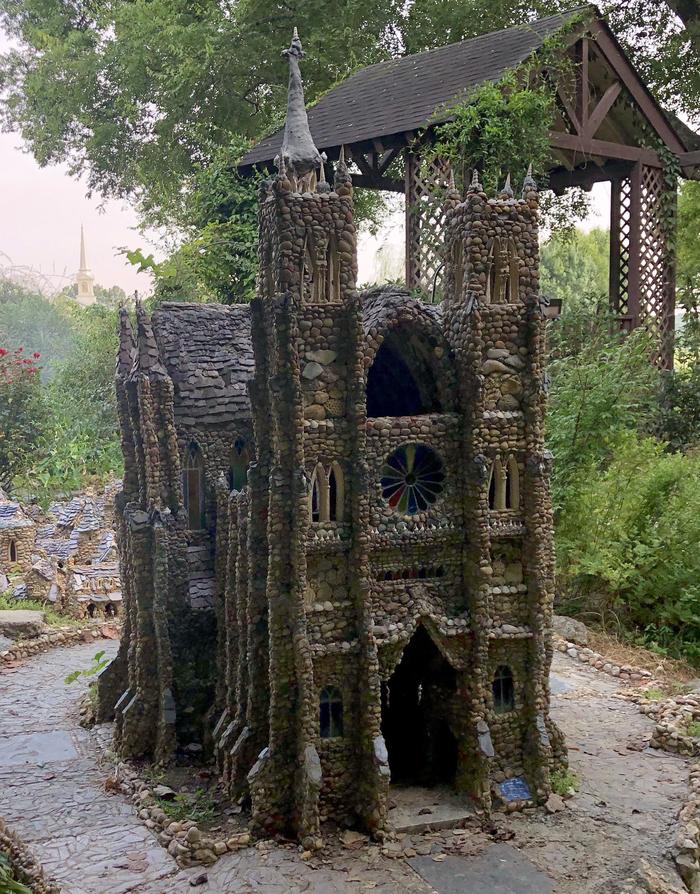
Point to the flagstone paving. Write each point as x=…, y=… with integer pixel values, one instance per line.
x=52, y=794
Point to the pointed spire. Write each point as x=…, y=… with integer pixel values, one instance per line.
x=84, y=279
x=475, y=186
x=507, y=190
x=83, y=257
x=323, y=186
x=342, y=182
x=147, y=356
x=529, y=183
x=127, y=345
x=299, y=155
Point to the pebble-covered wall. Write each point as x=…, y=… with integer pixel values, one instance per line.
x=335, y=531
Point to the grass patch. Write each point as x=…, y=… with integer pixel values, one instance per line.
x=198, y=806
x=51, y=616
x=654, y=694
x=563, y=782
x=692, y=729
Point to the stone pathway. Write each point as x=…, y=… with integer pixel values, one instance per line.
x=52, y=794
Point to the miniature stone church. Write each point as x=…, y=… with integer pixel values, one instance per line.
x=335, y=527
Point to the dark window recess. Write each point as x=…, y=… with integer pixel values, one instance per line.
x=13, y=551
x=333, y=496
x=331, y=713
x=401, y=381
x=414, y=573
x=503, y=690
x=238, y=471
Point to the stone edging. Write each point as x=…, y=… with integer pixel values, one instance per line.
x=183, y=839
x=57, y=636
x=24, y=864
x=624, y=672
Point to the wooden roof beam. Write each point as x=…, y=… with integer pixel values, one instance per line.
x=614, y=56
x=588, y=147
x=601, y=110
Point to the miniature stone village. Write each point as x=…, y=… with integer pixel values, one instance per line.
x=335, y=528
x=65, y=558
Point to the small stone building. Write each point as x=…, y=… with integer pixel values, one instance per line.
x=17, y=536
x=335, y=528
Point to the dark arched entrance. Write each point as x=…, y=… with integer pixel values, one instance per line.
x=416, y=703
x=401, y=380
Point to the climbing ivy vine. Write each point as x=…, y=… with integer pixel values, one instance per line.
x=501, y=128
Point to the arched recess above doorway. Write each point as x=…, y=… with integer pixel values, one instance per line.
x=403, y=379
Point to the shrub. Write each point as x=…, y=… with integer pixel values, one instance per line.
x=24, y=416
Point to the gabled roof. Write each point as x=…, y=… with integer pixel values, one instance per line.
x=402, y=95
x=208, y=353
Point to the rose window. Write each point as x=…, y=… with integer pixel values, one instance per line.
x=412, y=478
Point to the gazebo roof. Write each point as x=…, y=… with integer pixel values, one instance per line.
x=389, y=101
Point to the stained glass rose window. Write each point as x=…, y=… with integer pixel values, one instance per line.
x=412, y=478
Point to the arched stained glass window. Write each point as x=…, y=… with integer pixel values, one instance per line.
x=193, y=487
x=503, y=690
x=412, y=478
x=331, y=713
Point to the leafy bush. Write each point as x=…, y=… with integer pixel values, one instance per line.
x=23, y=413
x=602, y=385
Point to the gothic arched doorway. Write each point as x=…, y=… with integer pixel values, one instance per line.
x=416, y=704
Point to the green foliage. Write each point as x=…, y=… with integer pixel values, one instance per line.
x=679, y=414
x=570, y=268
x=502, y=127
x=692, y=729
x=653, y=693
x=564, y=782
x=627, y=541
x=51, y=616
x=28, y=320
x=198, y=807
x=24, y=415
x=60, y=433
x=98, y=662
x=8, y=882
x=602, y=385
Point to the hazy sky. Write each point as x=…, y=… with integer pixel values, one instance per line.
x=42, y=209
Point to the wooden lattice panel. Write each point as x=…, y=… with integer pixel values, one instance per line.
x=655, y=261
x=427, y=184
x=625, y=200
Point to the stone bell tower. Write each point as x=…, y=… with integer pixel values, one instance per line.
x=306, y=331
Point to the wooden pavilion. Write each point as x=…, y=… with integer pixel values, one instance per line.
x=608, y=127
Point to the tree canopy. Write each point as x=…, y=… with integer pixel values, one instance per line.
x=139, y=94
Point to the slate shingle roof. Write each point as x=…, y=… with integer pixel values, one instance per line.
x=207, y=351
x=12, y=515
x=404, y=94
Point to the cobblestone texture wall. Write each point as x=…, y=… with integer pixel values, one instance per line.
x=316, y=613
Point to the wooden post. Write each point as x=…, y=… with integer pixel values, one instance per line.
x=412, y=228
x=614, y=280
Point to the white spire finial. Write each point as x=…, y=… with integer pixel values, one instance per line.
x=84, y=279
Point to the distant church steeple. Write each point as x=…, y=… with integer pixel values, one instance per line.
x=84, y=280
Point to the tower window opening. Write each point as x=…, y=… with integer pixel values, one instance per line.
x=503, y=690
x=13, y=551
x=193, y=487
x=331, y=713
